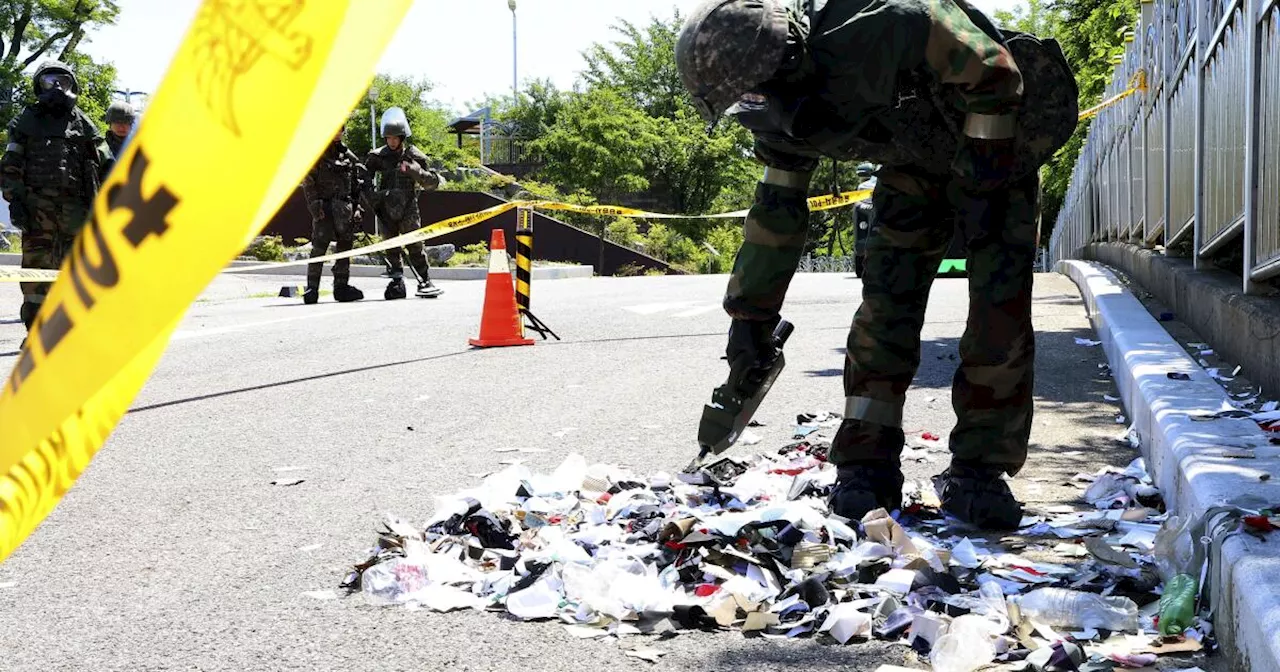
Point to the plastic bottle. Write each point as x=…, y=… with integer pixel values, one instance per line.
x=1178, y=605
x=1064, y=608
x=966, y=646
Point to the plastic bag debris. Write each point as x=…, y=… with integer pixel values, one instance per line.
x=748, y=544
x=966, y=647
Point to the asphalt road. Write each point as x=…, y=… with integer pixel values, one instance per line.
x=174, y=551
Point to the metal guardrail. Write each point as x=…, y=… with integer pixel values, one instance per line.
x=1196, y=158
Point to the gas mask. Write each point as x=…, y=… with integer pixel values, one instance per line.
x=56, y=90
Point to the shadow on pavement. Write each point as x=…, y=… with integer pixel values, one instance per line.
x=294, y=381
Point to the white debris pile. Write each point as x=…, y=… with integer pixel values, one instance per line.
x=750, y=545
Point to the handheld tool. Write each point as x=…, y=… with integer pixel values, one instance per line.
x=734, y=403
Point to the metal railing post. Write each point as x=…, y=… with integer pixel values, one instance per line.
x=1253, y=22
x=1198, y=61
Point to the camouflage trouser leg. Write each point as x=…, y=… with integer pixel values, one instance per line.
x=417, y=256
x=992, y=391
x=46, y=240
x=914, y=229
x=336, y=224
x=391, y=229
x=321, y=234
x=345, y=234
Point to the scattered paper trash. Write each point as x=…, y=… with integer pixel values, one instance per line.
x=748, y=544
x=1087, y=342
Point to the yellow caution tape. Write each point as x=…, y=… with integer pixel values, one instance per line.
x=250, y=95
x=416, y=236
x=11, y=274
x=1136, y=83
x=437, y=229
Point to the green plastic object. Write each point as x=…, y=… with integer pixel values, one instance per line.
x=953, y=266
x=1177, y=605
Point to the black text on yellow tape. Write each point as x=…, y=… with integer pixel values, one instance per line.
x=246, y=96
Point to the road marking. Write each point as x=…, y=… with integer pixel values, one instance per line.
x=655, y=308
x=682, y=308
x=699, y=311
x=193, y=333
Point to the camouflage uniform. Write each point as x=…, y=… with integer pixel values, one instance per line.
x=333, y=189
x=50, y=173
x=119, y=112
x=927, y=88
x=396, y=200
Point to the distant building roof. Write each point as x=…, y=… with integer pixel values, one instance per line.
x=471, y=123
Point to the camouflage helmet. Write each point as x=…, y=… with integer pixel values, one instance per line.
x=728, y=47
x=394, y=122
x=865, y=169
x=120, y=112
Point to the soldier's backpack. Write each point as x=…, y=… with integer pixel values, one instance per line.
x=1050, y=109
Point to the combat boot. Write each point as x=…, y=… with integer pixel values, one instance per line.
x=395, y=290
x=310, y=295
x=426, y=290
x=979, y=496
x=862, y=488
x=344, y=293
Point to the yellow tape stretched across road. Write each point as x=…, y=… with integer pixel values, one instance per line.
x=246, y=108
x=437, y=229
x=27, y=275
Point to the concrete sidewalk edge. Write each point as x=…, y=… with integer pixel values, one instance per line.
x=1186, y=458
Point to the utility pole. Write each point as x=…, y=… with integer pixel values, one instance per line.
x=515, y=86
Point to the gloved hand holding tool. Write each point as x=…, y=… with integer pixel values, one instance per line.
x=755, y=360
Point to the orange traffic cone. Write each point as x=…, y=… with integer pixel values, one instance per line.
x=500, y=324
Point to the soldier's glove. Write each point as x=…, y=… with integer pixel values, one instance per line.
x=985, y=165
x=753, y=339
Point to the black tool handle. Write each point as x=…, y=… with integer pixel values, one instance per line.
x=782, y=332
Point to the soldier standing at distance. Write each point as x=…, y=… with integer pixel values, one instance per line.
x=402, y=170
x=120, y=119
x=930, y=89
x=333, y=189
x=50, y=173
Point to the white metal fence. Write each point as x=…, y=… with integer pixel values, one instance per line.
x=1196, y=157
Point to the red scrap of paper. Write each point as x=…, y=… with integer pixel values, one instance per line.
x=930, y=436
x=706, y=590
x=1029, y=570
x=1259, y=523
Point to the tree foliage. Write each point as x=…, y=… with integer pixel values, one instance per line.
x=1091, y=33
x=428, y=119
x=32, y=31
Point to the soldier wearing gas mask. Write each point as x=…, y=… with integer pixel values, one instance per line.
x=333, y=190
x=50, y=173
x=401, y=170
x=960, y=115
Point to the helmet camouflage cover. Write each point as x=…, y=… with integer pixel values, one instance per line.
x=728, y=47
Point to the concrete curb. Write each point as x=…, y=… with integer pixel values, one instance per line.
x=362, y=271
x=1186, y=459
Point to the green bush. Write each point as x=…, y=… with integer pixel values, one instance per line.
x=470, y=255
x=267, y=248
x=10, y=242
x=629, y=270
